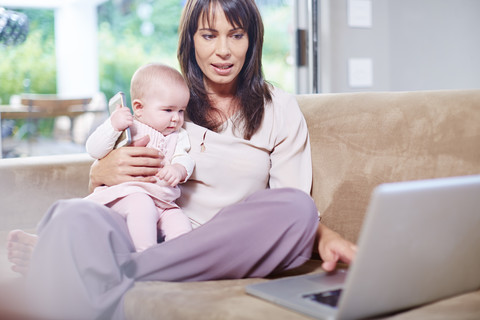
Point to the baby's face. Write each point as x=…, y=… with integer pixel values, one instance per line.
x=164, y=108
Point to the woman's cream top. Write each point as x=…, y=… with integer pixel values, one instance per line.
x=230, y=168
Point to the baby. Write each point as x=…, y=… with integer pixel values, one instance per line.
x=159, y=98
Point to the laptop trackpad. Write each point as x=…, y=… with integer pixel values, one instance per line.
x=330, y=298
x=331, y=288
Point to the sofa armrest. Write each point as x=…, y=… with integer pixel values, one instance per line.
x=29, y=186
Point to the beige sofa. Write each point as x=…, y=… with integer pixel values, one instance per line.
x=358, y=141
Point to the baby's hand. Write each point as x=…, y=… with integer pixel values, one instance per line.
x=172, y=174
x=121, y=118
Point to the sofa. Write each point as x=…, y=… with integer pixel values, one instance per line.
x=358, y=141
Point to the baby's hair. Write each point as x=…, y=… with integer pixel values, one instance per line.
x=154, y=74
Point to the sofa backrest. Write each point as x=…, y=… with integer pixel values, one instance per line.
x=29, y=186
x=360, y=140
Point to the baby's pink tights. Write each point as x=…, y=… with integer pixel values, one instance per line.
x=143, y=218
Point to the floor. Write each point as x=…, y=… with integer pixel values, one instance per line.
x=13, y=148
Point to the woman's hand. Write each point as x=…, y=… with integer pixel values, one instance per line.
x=133, y=163
x=333, y=248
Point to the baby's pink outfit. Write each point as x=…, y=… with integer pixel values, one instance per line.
x=145, y=205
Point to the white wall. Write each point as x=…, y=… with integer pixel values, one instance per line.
x=77, y=49
x=413, y=45
x=435, y=44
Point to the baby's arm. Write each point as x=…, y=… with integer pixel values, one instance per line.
x=181, y=156
x=182, y=164
x=103, y=139
x=173, y=174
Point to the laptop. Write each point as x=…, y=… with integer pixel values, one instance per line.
x=420, y=242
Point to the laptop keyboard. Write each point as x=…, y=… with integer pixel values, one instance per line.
x=330, y=298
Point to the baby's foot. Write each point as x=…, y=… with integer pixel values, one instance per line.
x=20, y=246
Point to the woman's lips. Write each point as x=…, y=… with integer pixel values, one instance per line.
x=222, y=69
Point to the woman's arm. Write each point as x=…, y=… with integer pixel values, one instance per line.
x=291, y=166
x=135, y=163
x=291, y=161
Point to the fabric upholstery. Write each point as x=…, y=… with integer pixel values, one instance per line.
x=360, y=140
x=29, y=186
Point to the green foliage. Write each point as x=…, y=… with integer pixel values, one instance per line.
x=123, y=47
x=125, y=44
x=277, y=54
x=29, y=67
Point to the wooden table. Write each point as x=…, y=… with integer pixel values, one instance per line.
x=26, y=112
x=18, y=112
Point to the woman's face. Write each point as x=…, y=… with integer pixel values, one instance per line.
x=220, y=51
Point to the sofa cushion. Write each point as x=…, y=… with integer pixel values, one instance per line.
x=360, y=140
x=227, y=300
x=221, y=299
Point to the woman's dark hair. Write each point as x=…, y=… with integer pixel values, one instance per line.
x=252, y=90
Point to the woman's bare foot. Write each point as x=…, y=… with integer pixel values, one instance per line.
x=20, y=245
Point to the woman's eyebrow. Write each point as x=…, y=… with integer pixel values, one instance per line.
x=211, y=30
x=215, y=30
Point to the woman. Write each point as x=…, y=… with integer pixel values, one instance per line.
x=248, y=196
